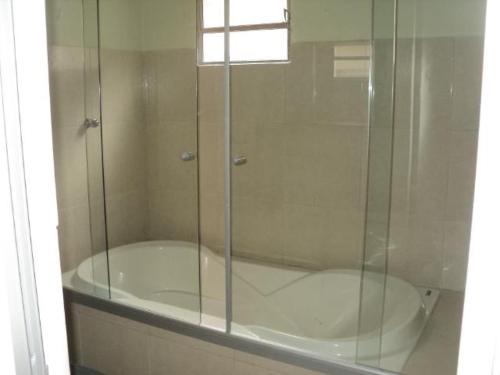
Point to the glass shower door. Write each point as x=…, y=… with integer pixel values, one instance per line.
x=373, y=301
x=94, y=155
x=148, y=86
x=299, y=130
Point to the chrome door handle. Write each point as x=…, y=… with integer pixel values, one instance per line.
x=91, y=123
x=239, y=160
x=188, y=156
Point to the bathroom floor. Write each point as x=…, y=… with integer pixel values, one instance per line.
x=437, y=350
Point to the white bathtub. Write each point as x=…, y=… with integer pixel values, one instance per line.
x=312, y=312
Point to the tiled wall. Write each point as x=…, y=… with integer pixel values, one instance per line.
x=124, y=145
x=170, y=105
x=435, y=156
x=300, y=198
x=114, y=345
x=67, y=100
x=77, y=153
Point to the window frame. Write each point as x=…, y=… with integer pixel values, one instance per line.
x=201, y=31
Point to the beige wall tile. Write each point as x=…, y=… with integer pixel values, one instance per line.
x=467, y=82
x=257, y=228
x=269, y=364
x=100, y=345
x=212, y=221
x=461, y=175
x=455, y=254
x=120, y=346
x=173, y=214
x=437, y=350
x=429, y=172
x=211, y=94
x=436, y=82
x=425, y=247
x=171, y=85
x=74, y=236
x=405, y=88
x=211, y=159
x=397, y=255
x=337, y=100
x=299, y=83
x=257, y=93
x=211, y=184
x=70, y=164
x=110, y=318
x=401, y=172
x=264, y=146
x=381, y=111
x=440, y=162
x=323, y=165
x=126, y=217
x=166, y=169
x=111, y=348
x=125, y=159
x=321, y=238
x=243, y=368
x=67, y=86
x=121, y=87
x=73, y=333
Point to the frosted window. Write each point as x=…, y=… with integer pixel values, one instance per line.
x=213, y=13
x=213, y=47
x=251, y=46
x=244, y=12
x=259, y=30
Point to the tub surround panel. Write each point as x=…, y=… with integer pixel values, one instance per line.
x=117, y=345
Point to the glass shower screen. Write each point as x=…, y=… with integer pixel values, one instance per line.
x=372, y=348
x=300, y=132
x=148, y=105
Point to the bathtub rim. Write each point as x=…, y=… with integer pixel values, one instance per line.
x=219, y=337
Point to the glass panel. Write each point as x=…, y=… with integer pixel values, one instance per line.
x=93, y=139
x=244, y=12
x=148, y=71
x=75, y=107
x=297, y=201
x=378, y=198
x=255, y=45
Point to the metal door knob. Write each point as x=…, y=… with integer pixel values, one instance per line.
x=188, y=156
x=239, y=160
